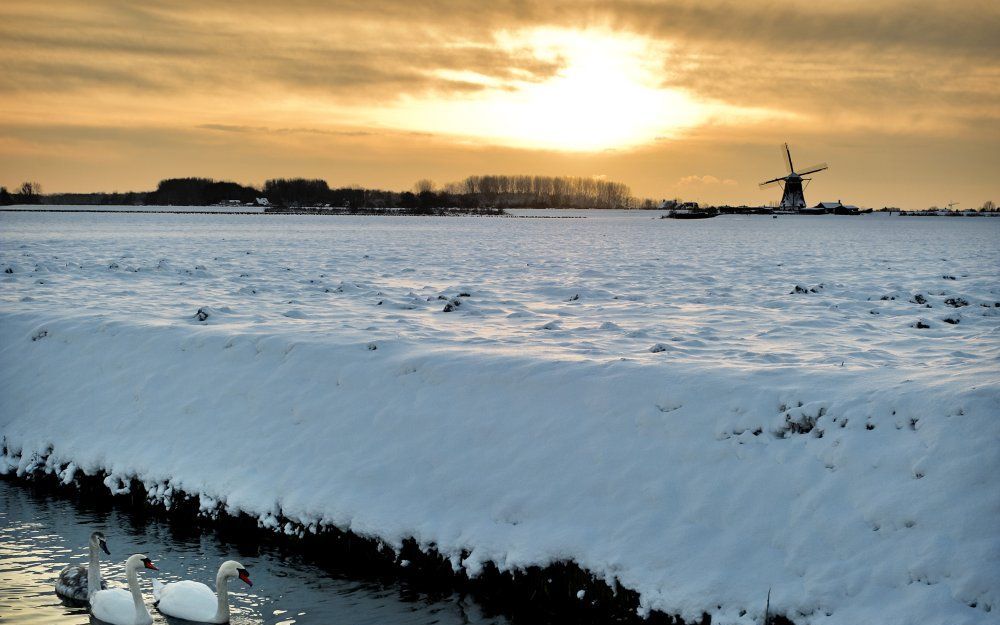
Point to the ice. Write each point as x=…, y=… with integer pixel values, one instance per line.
x=649, y=398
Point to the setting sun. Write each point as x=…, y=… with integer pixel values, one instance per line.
x=604, y=95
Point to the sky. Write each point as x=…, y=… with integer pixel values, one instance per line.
x=685, y=98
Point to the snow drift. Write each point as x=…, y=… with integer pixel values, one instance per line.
x=849, y=493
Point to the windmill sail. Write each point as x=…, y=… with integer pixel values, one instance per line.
x=813, y=169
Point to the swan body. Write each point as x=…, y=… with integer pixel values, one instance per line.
x=78, y=581
x=194, y=601
x=124, y=607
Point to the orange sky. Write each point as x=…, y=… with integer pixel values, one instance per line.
x=685, y=98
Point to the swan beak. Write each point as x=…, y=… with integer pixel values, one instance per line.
x=104, y=546
x=245, y=576
x=149, y=564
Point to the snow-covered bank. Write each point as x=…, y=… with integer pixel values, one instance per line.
x=698, y=488
x=664, y=409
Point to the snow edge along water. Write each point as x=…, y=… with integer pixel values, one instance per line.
x=559, y=592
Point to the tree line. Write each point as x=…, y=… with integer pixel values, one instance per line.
x=543, y=191
x=475, y=192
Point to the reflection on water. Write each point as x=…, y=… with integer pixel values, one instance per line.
x=39, y=535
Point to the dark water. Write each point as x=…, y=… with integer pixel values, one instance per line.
x=40, y=534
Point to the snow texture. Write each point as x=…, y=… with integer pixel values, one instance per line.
x=838, y=446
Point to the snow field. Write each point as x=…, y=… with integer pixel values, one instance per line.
x=652, y=401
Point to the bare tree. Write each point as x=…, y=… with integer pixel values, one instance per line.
x=424, y=185
x=29, y=193
x=30, y=189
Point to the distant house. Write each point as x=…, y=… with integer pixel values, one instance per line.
x=836, y=208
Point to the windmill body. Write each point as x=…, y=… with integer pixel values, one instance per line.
x=793, y=197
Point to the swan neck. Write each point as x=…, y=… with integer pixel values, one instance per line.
x=141, y=613
x=222, y=594
x=93, y=572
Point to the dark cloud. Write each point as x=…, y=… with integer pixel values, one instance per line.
x=806, y=28
x=38, y=75
x=233, y=128
x=63, y=134
x=348, y=52
x=284, y=131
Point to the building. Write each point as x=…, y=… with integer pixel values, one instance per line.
x=834, y=208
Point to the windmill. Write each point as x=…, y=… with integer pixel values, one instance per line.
x=792, y=196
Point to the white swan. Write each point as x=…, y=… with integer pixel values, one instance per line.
x=124, y=607
x=194, y=601
x=79, y=581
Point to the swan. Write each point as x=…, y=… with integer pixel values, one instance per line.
x=124, y=607
x=79, y=581
x=194, y=601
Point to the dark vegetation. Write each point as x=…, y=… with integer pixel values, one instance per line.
x=536, y=595
x=475, y=192
x=27, y=193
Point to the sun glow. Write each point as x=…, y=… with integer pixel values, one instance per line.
x=606, y=94
x=604, y=97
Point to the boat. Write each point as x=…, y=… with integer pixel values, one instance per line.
x=691, y=214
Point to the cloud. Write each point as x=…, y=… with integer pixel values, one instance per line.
x=895, y=66
x=704, y=181
x=344, y=52
x=284, y=131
